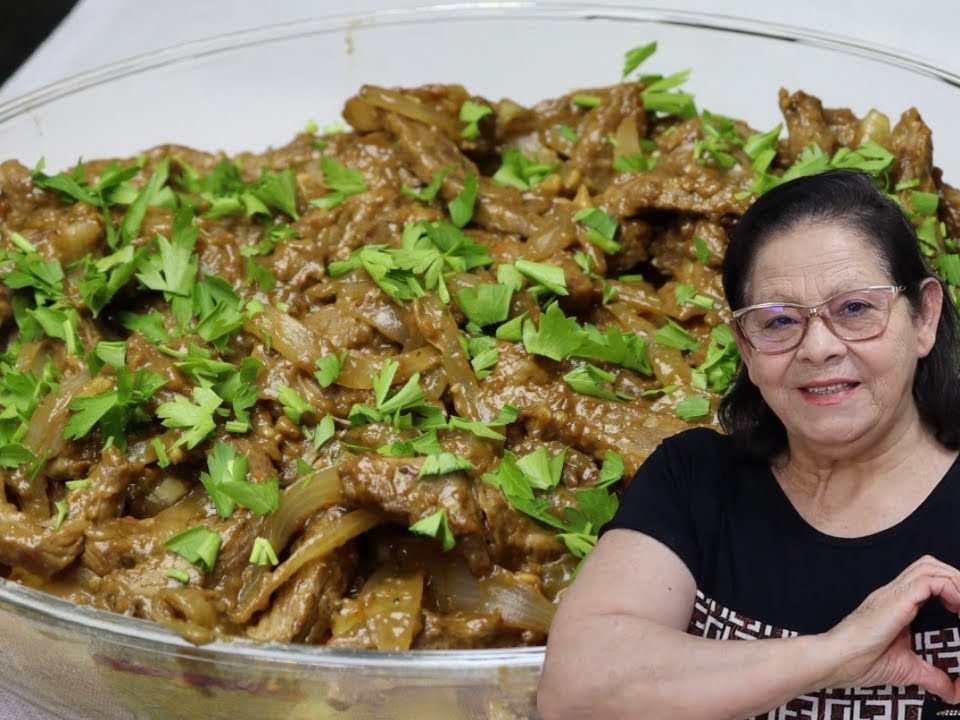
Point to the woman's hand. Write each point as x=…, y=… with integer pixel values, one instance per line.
x=874, y=640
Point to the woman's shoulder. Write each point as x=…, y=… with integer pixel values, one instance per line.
x=701, y=446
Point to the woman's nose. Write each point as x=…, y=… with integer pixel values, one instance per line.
x=819, y=343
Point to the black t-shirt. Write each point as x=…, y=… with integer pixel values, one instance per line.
x=763, y=571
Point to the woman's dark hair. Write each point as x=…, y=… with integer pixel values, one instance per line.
x=850, y=199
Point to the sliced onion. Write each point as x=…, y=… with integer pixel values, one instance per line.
x=291, y=338
x=392, y=606
x=45, y=431
x=628, y=138
x=359, y=369
x=333, y=535
x=410, y=107
x=520, y=605
x=440, y=330
x=298, y=502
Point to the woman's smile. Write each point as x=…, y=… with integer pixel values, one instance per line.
x=831, y=392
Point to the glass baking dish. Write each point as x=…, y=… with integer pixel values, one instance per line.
x=255, y=89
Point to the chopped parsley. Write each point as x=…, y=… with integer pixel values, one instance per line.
x=472, y=113
x=586, y=100
x=328, y=368
x=520, y=172
x=263, y=553
x=294, y=406
x=549, y=276
x=342, y=182
x=633, y=58
x=686, y=295
x=436, y=526
x=601, y=228
x=692, y=407
x=196, y=418
x=227, y=485
x=673, y=335
x=430, y=191
x=567, y=133
x=114, y=410
x=485, y=303
x=591, y=380
x=719, y=369
x=444, y=462
x=461, y=207
x=198, y=545
x=557, y=337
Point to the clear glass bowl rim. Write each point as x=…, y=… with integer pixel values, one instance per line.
x=131, y=632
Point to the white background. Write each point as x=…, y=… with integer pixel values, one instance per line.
x=103, y=31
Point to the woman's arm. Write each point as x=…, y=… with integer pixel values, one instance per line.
x=618, y=646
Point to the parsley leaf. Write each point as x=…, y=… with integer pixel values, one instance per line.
x=549, y=276
x=693, y=406
x=461, y=207
x=115, y=410
x=471, y=113
x=430, y=191
x=44, y=277
x=656, y=97
x=322, y=432
x=486, y=303
x=591, y=380
x=518, y=171
x=557, y=337
x=424, y=444
x=635, y=56
x=197, y=545
x=601, y=228
x=686, y=295
x=700, y=250
x=196, y=418
x=585, y=100
x=343, y=182
x=133, y=218
x=294, y=406
x=567, y=133
x=328, y=368
x=271, y=237
x=150, y=326
x=224, y=464
x=263, y=553
x=612, y=470
x=626, y=349
x=277, y=190
x=483, y=354
x=436, y=526
x=719, y=369
x=444, y=462
x=634, y=161
x=542, y=471
x=719, y=137
x=673, y=335
x=173, y=269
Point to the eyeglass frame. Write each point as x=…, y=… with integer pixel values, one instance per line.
x=813, y=310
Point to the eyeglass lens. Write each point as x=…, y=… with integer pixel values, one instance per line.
x=856, y=315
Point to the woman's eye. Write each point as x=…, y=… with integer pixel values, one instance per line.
x=854, y=307
x=779, y=322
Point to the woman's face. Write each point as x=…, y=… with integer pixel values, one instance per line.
x=830, y=392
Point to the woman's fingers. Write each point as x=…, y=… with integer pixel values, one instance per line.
x=920, y=587
x=932, y=679
x=876, y=640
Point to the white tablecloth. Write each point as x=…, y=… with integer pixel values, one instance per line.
x=101, y=31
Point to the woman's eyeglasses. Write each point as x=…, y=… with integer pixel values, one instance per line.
x=773, y=328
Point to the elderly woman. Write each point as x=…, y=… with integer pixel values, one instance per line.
x=824, y=523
